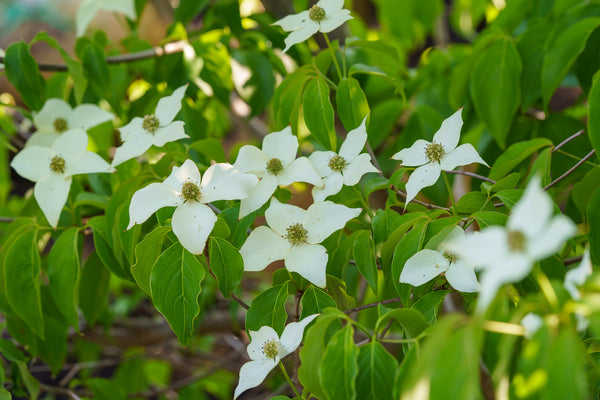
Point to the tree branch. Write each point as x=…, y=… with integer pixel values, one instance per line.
x=371, y=305
x=571, y=170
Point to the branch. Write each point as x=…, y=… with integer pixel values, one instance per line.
x=571, y=170
x=471, y=174
x=567, y=140
x=428, y=205
x=371, y=305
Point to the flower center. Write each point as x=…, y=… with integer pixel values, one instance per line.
x=274, y=166
x=57, y=164
x=337, y=163
x=190, y=192
x=271, y=348
x=316, y=13
x=434, y=152
x=296, y=234
x=60, y=125
x=516, y=240
x=450, y=257
x=151, y=123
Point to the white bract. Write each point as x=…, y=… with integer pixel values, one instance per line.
x=192, y=220
x=577, y=276
x=294, y=236
x=427, y=264
x=439, y=155
x=266, y=349
x=345, y=168
x=276, y=164
x=154, y=129
x=88, y=8
x=324, y=16
x=531, y=323
x=507, y=254
x=56, y=117
x=52, y=169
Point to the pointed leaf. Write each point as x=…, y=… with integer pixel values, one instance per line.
x=376, y=373
x=314, y=301
x=318, y=112
x=227, y=264
x=268, y=309
x=93, y=288
x=351, y=103
x=339, y=367
x=146, y=253
x=364, y=257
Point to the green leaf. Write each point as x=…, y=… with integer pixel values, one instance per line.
x=175, y=284
x=339, y=367
x=32, y=384
x=314, y=301
x=211, y=148
x=594, y=113
x=376, y=373
x=489, y=218
x=406, y=248
x=63, y=275
x=593, y=220
x=268, y=308
x=288, y=97
x=10, y=351
x=146, y=253
x=188, y=10
x=364, y=257
x=23, y=72
x=351, y=103
x=318, y=112
x=103, y=247
x=227, y=264
x=471, y=202
x=495, y=87
x=93, y=288
x=429, y=304
x=258, y=90
x=95, y=68
x=532, y=56
x=514, y=155
x=105, y=389
x=411, y=320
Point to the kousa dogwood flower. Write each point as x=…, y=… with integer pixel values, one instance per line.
x=276, y=164
x=185, y=189
x=427, y=264
x=345, y=168
x=154, y=129
x=439, y=155
x=88, y=8
x=507, y=254
x=266, y=349
x=52, y=168
x=294, y=235
x=57, y=117
x=324, y=16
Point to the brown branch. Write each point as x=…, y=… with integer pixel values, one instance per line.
x=428, y=205
x=371, y=305
x=471, y=174
x=571, y=170
x=567, y=140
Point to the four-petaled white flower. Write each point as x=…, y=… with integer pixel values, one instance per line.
x=294, y=235
x=276, y=164
x=192, y=220
x=507, y=254
x=427, y=264
x=439, y=155
x=57, y=117
x=154, y=129
x=52, y=169
x=324, y=16
x=88, y=8
x=266, y=349
x=341, y=169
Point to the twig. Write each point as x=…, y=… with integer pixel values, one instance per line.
x=567, y=140
x=240, y=301
x=571, y=170
x=471, y=174
x=6, y=219
x=572, y=260
x=373, y=158
x=371, y=305
x=64, y=391
x=428, y=205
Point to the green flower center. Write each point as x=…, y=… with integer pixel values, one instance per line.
x=316, y=13
x=337, y=163
x=271, y=348
x=516, y=240
x=151, y=123
x=296, y=234
x=190, y=192
x=434, y=152
x=274, y=166
x=60, y=125
x=57, y=164
x=450, y=257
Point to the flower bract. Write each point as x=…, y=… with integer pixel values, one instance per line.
x=52, y=168
x=324, y=16
x=531, y=323
x=577, y=276
x=192, y=220
x=154, y=129
x=266, y=349
x=294, y=235
x=345, y=168
x=431, y=158
x=88, y=8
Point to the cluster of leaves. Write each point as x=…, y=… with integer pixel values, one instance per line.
x=376, y=338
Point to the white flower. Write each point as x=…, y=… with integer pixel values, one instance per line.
x=577, y=276
x=154, y=129
x=427, y=264
x=192, y=220
x=506, y=255
x=276, y=164
x=294, y=235
x=57, y=117
x=52, y=169
x=531, y=323
x=324, y=16
x=88, y=8
x=344, y=169
x=266, y=350
x=439, y=155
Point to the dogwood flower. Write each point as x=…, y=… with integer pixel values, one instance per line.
x=52, y=168
x=324, y=16
x=345, y=168
x=266, y=349
x=439, y=155
x=427, y=264
x=507, y=254
x=88, y=8
x=294, y=236
x=276, y=164
x=57, y=117
x=154, y=129
x=531, y=323
x=192, y=220
x=577, y=276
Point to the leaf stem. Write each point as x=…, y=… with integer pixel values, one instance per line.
x=363, y=201
x=287, y=377
x=337, y=66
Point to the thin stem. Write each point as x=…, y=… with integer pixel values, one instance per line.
x=547, y=289
x=467, y=173
x=504, y=328
x=574, y=157
x=363, y=201
x=374, y=159
x=240, y=301
x=567, y=140
x=329, y=81
x=449, y=187
x=287, y=377
x=572, y=260
x=371, y=305
x=337, y=66
x=571, y=170
x=428, y=205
